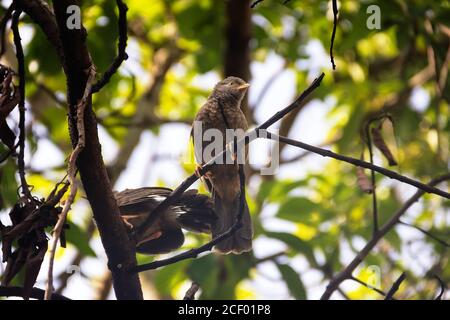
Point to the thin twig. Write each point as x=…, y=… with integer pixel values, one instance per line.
x=121, y=47
x=427, y=233
x=395, y=287
x=254, y=4
x=333, y=34
x=346, y=273
x=443, y=287
x=71, y=172
x=21, y=67
x=381, y=292
x=270, y=257
x=357, y=162
x=190, y=294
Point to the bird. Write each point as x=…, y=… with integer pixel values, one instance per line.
x=222, y=111
x=192, y=211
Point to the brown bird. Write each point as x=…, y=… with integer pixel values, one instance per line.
x=192, y=211
x=222, y=111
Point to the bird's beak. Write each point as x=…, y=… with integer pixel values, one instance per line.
x=243, y=87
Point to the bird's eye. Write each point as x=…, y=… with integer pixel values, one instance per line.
x=230, y=83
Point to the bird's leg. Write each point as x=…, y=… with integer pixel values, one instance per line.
x=199, y=174
x=127, y=224
x=198, y=171
x=231, y=147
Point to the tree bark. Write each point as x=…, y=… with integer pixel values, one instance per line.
x=237, y=50
x=72, y=50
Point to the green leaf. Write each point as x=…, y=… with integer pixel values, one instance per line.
x=297, y=209
x=79, y=238
x=168, y=277
x=293, y=281
x=205, y=272
x=293, y=242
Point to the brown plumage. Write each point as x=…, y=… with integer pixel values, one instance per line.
x=222, y=111
x=192, y=211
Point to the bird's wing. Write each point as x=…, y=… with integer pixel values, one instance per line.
x=148, y=195
x=169, y=240
x=204, y=115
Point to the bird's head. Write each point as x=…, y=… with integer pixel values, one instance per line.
x=231, y=87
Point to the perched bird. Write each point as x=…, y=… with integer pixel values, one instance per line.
x=192, y=211
x=222, y=111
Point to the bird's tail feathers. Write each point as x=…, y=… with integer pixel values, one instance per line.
x=241, y=240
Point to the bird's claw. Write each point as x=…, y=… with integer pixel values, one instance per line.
x=230, y=147
x=198, y=171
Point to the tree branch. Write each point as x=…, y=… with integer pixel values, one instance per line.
x=381, y=292
x=190, y=294
x=347, y=272
x=121, y=47
x=118, y=247
x=395, y=287
x=21, y=67
x=356, y=162
x=427, y=233
x=333, y=34
x=36, y=293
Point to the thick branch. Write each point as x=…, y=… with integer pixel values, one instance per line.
x=237, y=38
x=118, y=247
x=40, y=13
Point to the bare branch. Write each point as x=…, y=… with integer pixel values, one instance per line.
x=333, y=34
x=190, y=294
x=356, y=162
x=381, y=292
x=395, y=287
x=427, y=233
x=443, y=287
x=21, y=64
x=121, y=47
x=254, y=4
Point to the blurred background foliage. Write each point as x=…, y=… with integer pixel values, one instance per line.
x=311, y=220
